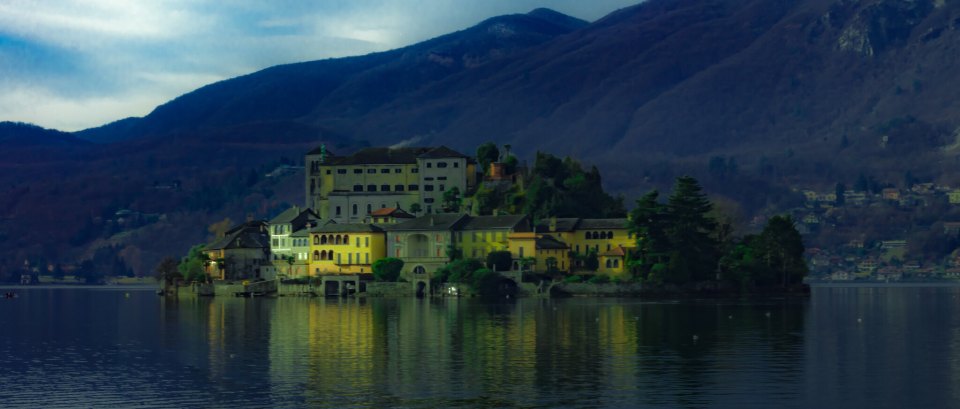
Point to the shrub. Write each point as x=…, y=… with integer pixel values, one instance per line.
x=387, y=269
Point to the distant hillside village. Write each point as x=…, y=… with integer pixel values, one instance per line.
x=885, y=233
x=422, y=206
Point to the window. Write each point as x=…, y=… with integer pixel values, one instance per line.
x=357, y=188
x=384, y=170
x=358, y=242
x=371, y=188
x=341, y=171
x=338, y=210
x=328, y=171
x=428, y=178
x=429, y=209
x=366, y=258
x=350, y=258
x=371, y=170
x=609, y=263
x=323, y=254
x=354, y=210
x=441, y=178
x=586, y=235
x=428, y=188
x=441, y=164
x=428, y=200
x=414, y=188
x=398, y=170
x=357, y=170
x=608, y=246
x=276, y=243
x=415, y=170
x=316, y=255
x=578, y=248
x=429, y=165
x=369, y=209
x=521, y=248
x=316, y=240
x=456, y=164
x=616, y=263
x=384, y=188
x=442, y=188
x=398, y=188
x=366, y=242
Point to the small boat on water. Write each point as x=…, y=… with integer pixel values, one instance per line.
x=10, y=294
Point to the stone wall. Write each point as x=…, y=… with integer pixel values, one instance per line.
x=600, y=290
x=376, y=289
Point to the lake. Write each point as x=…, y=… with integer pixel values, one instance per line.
x=839, y=347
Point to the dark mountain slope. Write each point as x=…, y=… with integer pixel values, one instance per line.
x=343, y=87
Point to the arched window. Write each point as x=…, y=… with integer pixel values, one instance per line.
x=616, y=263
x=316, y=255
x=323, y=254
x=596, y=235
x=337, y=240
x=586, y=235
x=603, y=235
x=354, y=209
x=323, y=240
x=316, y=239
x=346, y=239
x=609, y=234
x=330, y=255
x=609, y=263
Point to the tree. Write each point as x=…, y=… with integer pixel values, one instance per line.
x=782, y=250
x=648, y=223
x=487, y=153
x=690, y=233
x=387, y=269
x=499, y=260
x=415, y=208
x=452, y=200
x=192, y=267
x=166, y=271
x=591, y=261
x=88, y=273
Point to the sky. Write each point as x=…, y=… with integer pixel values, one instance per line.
x=76, y=64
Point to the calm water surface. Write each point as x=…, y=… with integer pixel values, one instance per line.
x=841, y=347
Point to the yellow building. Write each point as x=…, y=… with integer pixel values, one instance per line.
x=543, y=249
x=482, y=235
x=345, y=248
x=347, y=189
x=609, y=238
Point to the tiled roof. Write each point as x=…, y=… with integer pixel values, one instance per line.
x=249, y=235
x=518, y=222
x=618, y=251
x=346, y=228
x=391, y=156
x=286, y=216
x=547, y=242
x=563, y=224
x=594, y=224
x=430, y=222
x=442, y=152
x=391, y=211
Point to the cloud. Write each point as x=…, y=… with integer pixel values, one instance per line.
x=81, y=63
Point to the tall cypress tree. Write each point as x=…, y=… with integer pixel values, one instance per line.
x=691, y=233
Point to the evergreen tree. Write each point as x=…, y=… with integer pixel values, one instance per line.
x=648, y=222
x=691, y=233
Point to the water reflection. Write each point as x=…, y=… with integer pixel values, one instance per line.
x=105, y=348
